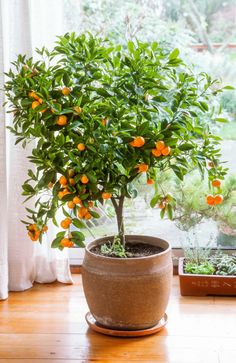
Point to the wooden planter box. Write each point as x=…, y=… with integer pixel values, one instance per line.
x=203, y=285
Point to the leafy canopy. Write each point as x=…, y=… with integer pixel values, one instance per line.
x=103, y=96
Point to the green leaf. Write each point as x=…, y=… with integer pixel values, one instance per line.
x=162, y=213
x=186, y=146
x=78, y=242
x=56, y=242
x=77, y=223
x=94, y=214
x=66, y=213
x=170, y=211
x=28, y=188
x=204, y=105
x=229, y=87
x=221, y=119
x=174, y=54
x=78, y=235
x=154, y=200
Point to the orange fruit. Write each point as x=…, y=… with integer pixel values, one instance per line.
x=210, y=199
x=32, y=227
x=65, y=242
x=70, y=204
x=82, y=212
x=65, y=191
x=142, y=168
x=216, y=183
x=35, y=104
x=64, y=224
x=106, y=195
x=139, y=141
x=62, y=120
x=45, y=228
x=68, y=220
x=90, y=204
x=88, y=216
x=72, y=181
x=162, y=205
x=78, y=109
x=65, y=91
x=156, y=152
x=60, y=195
x=40, y=100
x=81, y=147
x=165, y=151
x=218, y=199
x=34, y=236
x=84, y=179
x=150, y=181
x=160, y=145
x=63, y=180
x=32, y=94
x=76, y=200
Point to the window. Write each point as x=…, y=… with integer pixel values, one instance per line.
x=204, y=31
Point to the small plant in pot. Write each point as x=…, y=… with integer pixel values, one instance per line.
x=192, y=199
x=205, y=271
x=101, y=115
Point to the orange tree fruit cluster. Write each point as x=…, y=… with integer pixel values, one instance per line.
x=101, y=116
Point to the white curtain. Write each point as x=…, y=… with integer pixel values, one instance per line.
x=21, y=261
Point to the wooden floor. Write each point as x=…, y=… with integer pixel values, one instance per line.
x=46, y=324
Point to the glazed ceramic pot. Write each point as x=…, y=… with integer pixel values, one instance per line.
x=128, y=293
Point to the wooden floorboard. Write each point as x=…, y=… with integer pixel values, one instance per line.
x=46, y=325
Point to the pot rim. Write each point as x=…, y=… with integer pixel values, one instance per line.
x=88, y=246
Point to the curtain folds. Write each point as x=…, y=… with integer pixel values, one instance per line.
x=21, y=261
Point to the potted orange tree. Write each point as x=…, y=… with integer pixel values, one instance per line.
x=100, y=115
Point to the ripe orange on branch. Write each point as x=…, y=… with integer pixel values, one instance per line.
x=166, y=151
x=210, y=199
x=218, y=199
x=81, y=147
x=63, y=180
x=65, y=242
x=160, y=145
x=82, y=212
x=156, y=152
x=216, y=183
x=84, y=179
x=62, y=120
x=106, y=195
x=35, y=104
x=77, y=200
x=139, y=141
x=142, y=168
x=70, y=204
x=66, y=91
x=32, y=94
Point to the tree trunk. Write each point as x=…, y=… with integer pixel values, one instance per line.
x=119, y=207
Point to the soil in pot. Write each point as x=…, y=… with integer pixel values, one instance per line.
x=133, y=250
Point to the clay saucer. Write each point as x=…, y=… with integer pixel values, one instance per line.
x=124, y=333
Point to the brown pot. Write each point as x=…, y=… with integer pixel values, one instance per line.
x=203, y=285
x=128, y=293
